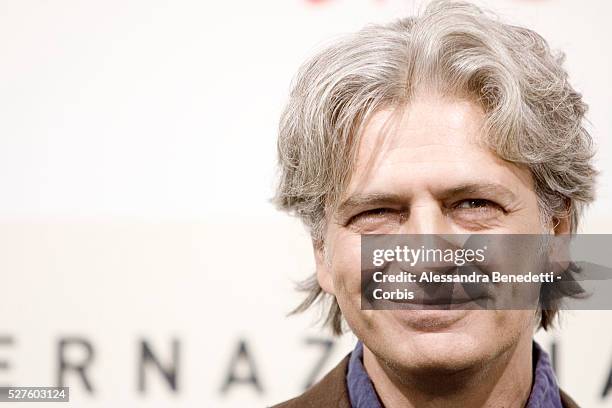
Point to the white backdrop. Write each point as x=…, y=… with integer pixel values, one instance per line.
x=137, y=151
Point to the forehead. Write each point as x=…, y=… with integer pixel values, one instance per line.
x=432, y=143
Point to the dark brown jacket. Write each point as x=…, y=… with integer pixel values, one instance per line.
x=332, y=392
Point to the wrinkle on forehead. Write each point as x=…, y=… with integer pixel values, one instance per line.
x=428, y=131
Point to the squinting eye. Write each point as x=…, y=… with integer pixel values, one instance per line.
x=375, y=216
x=377, y=212
x=476, y=213
x=474, y=203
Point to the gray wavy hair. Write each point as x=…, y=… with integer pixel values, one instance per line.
x=534, y=116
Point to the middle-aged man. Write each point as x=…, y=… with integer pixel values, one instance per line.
x=451, y=122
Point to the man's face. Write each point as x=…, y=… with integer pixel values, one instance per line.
x=426, y=172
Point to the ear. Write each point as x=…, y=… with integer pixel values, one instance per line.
x=562, y=225
x=559, y=253
x=324, y=276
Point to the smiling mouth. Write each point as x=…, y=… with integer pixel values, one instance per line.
x=434, y=303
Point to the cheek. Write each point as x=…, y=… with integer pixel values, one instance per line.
x=346, y=266
x=346, y=276
x=511, y=324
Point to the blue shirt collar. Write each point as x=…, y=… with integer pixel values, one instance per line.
x=544, y=393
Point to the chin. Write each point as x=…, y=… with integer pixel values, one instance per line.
x=438, y=352
x=447, y=351
x=436, y=341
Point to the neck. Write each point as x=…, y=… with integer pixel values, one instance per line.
x=504, y=381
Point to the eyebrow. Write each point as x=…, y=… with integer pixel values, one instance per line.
x=490, y=190
x=485, y=190
x=346, y=208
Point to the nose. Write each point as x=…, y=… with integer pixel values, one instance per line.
x=426, y=218
x=428, y=226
